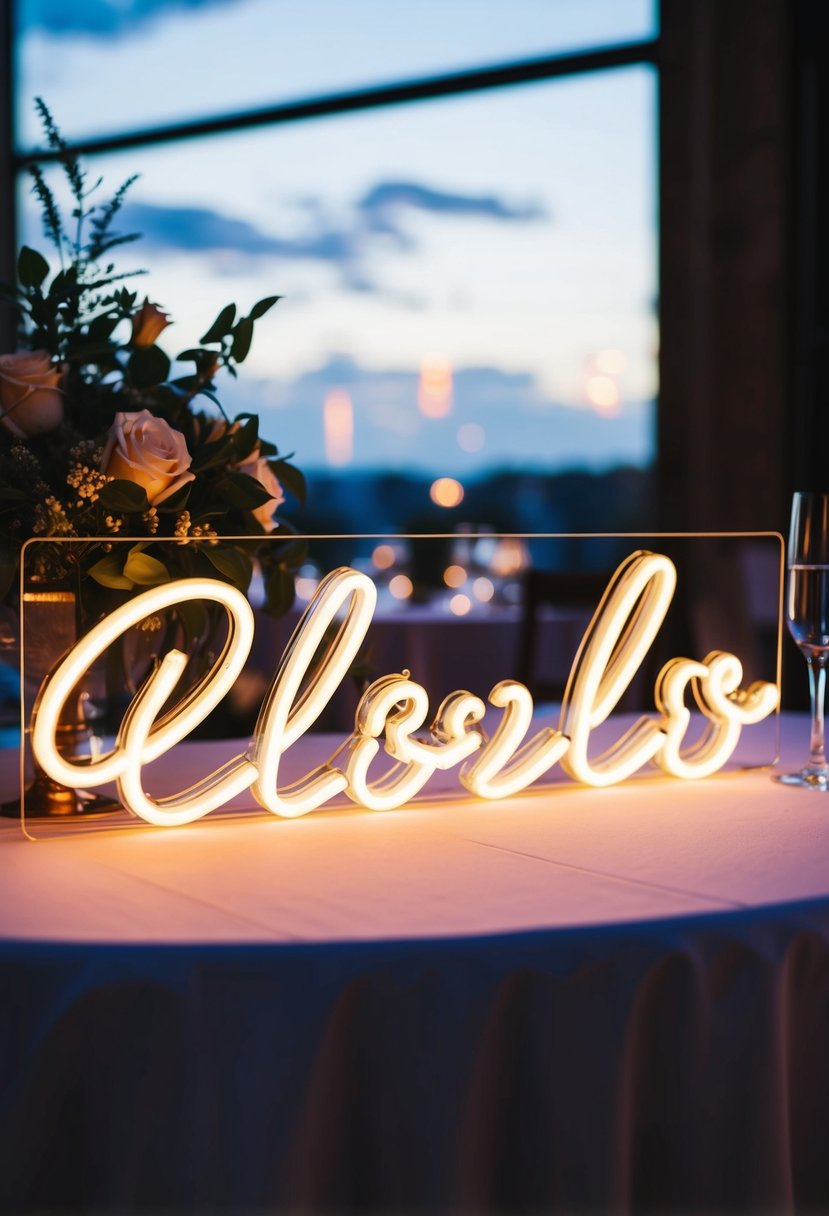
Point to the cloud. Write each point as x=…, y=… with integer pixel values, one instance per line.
x=102, y=18
x=347, y=244
x=200, y=230
x=383, y=206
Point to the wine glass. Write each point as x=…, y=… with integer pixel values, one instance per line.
x=807, y=615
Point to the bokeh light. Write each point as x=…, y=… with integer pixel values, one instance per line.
x=471, y=437
x=401, y=586
x=383, y=557
x=446, y=492
x=305, y=587
x=454, y=576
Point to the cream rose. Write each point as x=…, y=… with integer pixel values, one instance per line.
x=146, y=450
x=257, y=467
x=31, y=403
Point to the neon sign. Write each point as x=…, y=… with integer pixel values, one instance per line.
x=395, y=707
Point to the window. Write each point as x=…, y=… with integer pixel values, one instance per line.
x=469, y=282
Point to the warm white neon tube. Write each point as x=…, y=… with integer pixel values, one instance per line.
x=175, y=726
x=319, y=656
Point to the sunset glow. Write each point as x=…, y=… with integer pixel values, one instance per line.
x=603, y=394
x=338, y=426
x=434, y=394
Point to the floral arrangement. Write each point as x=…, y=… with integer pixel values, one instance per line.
x=98, y=437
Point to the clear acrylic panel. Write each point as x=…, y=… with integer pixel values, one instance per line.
x=215, y=57
x=459, y=611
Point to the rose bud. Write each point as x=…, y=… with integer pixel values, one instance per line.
x=147, y=324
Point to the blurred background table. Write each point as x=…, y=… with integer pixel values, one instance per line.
x=444, y=651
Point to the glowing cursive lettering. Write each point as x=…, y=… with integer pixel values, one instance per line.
x=321, y=650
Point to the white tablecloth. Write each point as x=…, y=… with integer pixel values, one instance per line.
x=573, y=999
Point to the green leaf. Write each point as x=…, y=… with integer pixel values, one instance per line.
x=290, y=478
x=145, y=570
x=262, y=307
x=194, y=617
x=11, y=494
x=43, y=312
x=32, y=267
x=101, y=327
x=120, y=495
x=124, y=299
x=65, y=281
x=194, y=354
x=233, y=563
x=239, y=490
x=212, y=454
x=222, y=325
x=185, y=386
x=280, y=591
x=168, y=397
x=148, y=365
x=204, y=392
x=109, y=573
x=178, y=501
x=242, y=337
x=100, y=353
x=247, y=437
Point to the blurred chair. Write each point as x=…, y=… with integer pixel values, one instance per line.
x=573, y=594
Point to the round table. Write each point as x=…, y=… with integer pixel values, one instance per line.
x=573, y=999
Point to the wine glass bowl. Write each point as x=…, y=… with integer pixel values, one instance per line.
x=806, y=607
x=807, y=617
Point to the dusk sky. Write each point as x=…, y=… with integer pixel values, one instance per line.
x=470, y=281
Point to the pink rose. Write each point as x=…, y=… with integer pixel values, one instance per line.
x=146, y=450
x=30, y=401
x=257, y=467
x=147, y=323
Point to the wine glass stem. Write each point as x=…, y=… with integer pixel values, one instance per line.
x=817, y=691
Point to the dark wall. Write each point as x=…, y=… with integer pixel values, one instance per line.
x=726, y=275
x=810, y=247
